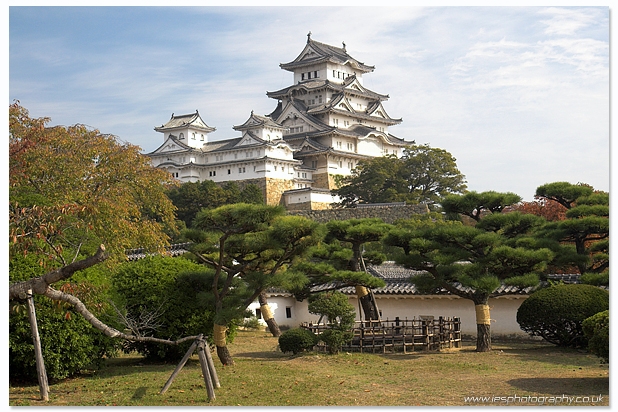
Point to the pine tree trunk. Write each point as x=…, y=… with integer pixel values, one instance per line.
x=224, y=356
x=366, y=301
x=483, y=338
x=273, y=327
x=483, y=326
x=267, y=316
x=220, y=338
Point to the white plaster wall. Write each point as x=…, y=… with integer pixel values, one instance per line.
x=369, y=147
x=503, y=311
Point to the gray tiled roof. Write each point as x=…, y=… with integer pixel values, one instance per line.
x=325, y=52
x=397, y=282
x=183, y=120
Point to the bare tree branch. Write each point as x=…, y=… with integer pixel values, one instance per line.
x=40, y=284
x=107, y=330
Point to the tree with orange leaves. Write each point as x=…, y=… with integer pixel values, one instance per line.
x=71, y=191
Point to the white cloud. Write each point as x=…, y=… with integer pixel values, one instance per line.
x=567, y=21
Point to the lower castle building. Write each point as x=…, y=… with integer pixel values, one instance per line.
x=322, y=126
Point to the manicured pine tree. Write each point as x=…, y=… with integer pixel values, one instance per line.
x=472, y=261
x=250, y=248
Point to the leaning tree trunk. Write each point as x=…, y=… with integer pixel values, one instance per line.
x=367, y=303
x=483, y=332
x=268, y=316
x=220, y=339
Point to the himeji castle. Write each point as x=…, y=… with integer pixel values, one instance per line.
x=322, y=126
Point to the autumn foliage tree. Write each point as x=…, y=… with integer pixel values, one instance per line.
x=75, y=188
x=71, y=191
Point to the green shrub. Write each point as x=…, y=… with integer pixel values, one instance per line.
x=596, y=329
x=69, y=343
x=556, y=313
x=340, y=314
x=175, y=292
x=334, y=338
x=251, y=323
x=297, y=340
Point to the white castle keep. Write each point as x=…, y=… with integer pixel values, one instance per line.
x=322, y=126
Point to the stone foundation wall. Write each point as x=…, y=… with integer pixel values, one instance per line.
x=307, y=206
x=388, y=213
x=324, y=181
x=272, y=189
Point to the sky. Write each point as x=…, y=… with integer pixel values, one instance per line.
x=520, y=96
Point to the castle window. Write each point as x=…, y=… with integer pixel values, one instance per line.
x=181, y=136
x=202, y=137
x=341, y=164
x=302, y=76
x=338, y=145
x=229, y=171
x=315, y=74
x=309, y=75
x=193, y=136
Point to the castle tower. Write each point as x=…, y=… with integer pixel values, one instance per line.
x=331, y=118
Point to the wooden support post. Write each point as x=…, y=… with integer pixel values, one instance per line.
x=38, y=352
x=210, y=390
x=181, y=364
x=211, y=366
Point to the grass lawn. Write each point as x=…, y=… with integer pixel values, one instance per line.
x=520, y=373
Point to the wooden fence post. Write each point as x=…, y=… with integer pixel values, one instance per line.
x=425, y=332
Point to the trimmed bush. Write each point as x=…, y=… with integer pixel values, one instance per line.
x=340, y=314
x=556, y=313
x=297, y=340
x=596, y=329
x=175, y=293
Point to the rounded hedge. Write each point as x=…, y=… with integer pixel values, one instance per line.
x=596, y=329
x=556, y=313
x=297, y=340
